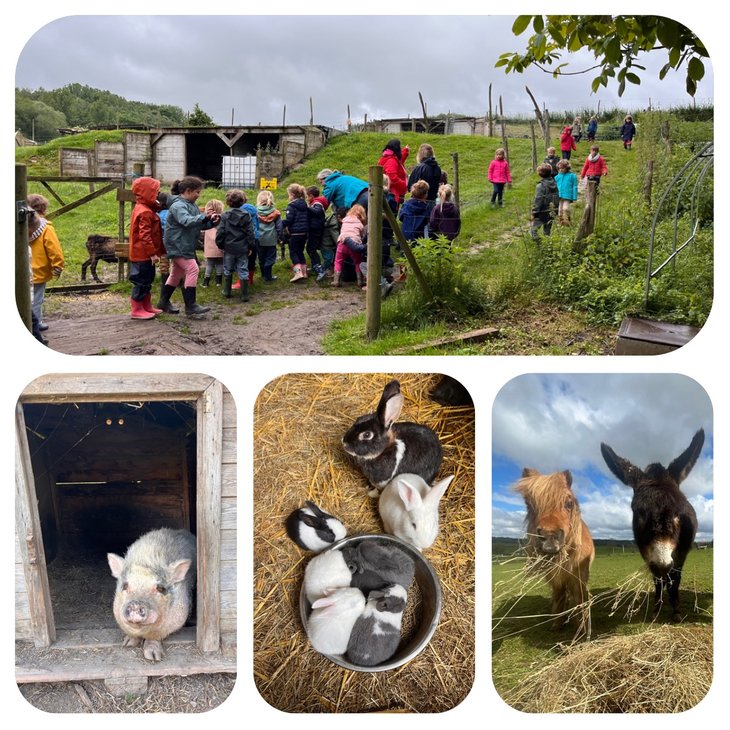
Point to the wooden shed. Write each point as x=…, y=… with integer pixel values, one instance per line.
x=100, y=460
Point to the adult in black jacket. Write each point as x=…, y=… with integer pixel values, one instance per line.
x=427, y=169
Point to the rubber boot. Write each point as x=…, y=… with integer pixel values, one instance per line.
x=164, y=304
x=305, y=273
x=218, y=279
x=138, y=311
x=227, y=280
x=147, y=304
x=206, y=282
x=336, y=279
x=298, y=275
x=191, y=307
x=244, y=291
x=360, y=278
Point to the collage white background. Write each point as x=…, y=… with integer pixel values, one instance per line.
x=705, y=359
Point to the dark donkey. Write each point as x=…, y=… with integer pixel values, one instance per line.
x=664, y=521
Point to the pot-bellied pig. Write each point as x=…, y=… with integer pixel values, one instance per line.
x=155, y=582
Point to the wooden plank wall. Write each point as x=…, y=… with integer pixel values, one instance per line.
x=228, y=518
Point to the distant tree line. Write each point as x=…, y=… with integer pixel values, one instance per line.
x=41, y=113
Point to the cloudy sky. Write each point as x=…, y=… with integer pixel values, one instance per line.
x=556, y=422
x=246, y=68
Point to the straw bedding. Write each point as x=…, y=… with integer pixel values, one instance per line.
x=299, y=420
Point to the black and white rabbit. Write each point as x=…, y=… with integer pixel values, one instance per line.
x=375, y=565
x=383, y=449
x=313, y=529
x=377, y=632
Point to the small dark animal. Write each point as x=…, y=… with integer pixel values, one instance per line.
x=559, y=542
x=450, y=392
x=664, y=521
x=100, y=248
x=313, y=529
x=375, y=566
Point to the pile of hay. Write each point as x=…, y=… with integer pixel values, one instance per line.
x=663, y=669
x=299, y=421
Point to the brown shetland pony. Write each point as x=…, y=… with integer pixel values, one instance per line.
x=559, y=542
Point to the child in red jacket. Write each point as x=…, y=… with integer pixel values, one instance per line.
x=145, y=246
x=567, y=143
x=594, y=167
x=499, y=175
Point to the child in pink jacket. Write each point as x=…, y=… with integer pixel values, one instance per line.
x=499, y=175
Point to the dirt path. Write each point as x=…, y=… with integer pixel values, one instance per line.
x=277, y=321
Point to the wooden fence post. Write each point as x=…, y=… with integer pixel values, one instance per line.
x=588, y=221
x=22, y=260
x=375, y=251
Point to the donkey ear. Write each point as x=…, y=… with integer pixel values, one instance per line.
x=527, y=472
x=568, y=477
x=390, y=405
x=623, y=469
x=682, y=465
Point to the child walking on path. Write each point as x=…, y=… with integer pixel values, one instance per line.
x=145, y=246
x=296, y=229
x=353, y=227
x=499, y=175
x=445, y=219
x=235, y=237
x=567, y=143
x=271, y=232
x=213, y=258
x=628, y=131
x=415, y=211
x=567, y=182
x=182, y=228
x=594, y=167
x=47, y=260
x=592, y=128
x=552, y=159
x=545, y=205
x=317, y=205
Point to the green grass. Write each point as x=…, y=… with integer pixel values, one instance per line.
x=522, y=635
x=596, y=284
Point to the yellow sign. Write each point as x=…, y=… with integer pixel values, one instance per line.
x=268, y=184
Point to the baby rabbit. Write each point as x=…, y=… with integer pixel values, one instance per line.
x=376, y=634
x=409, y=509
x=325, y=573
x=382, y=448
x=313, y=529
x=375, y=565
x=330, y=624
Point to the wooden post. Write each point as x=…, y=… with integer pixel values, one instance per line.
x=425, y=113
x=648, y=182
x=588, y=221
x=455, y=158
x=490, y=133
x=283, y=119
x=504, y=131
x=534, y=145
x=407, y=251
x=349, y=120
x=311, y=113
x=22, y=255
x=375, y=251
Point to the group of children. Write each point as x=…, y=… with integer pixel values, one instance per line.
x=558, y=185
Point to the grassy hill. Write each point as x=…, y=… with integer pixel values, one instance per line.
x=563, y=290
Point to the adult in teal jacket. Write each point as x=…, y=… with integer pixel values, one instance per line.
x=343, y=191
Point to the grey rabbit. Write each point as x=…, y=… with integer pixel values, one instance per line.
x=375, y=565
x=383, y=449
x=376, y=635
x=313, y=529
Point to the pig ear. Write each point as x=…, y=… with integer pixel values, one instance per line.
x=116, y=563
x=178, y=570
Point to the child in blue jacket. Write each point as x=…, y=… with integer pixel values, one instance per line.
x=567, y=182
x=415, y=211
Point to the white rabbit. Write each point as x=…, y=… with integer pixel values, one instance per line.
x=324, y=573
x=330, y=624
x=409, y=509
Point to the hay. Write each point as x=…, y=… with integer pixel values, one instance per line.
x=663, y=669
x=299, y=421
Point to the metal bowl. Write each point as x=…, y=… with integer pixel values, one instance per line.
x=429, y=588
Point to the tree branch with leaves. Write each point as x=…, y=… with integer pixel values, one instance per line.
x=616, y=41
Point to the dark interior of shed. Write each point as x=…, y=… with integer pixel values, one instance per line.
x=106, y=473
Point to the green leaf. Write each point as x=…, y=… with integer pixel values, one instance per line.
x=664, y=71
x=502, y=62
x=574, y=42
x=539, y=43
x=538, y=24
x=621, y=88
x=674, y=54
x=521, y=24
x=595, y=84
x=695, y=68
x=667, y=31
x=691, y=86
x=633, y=78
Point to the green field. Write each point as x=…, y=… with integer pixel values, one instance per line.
x=622, y=600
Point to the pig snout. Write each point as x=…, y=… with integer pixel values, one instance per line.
x=139, y=612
